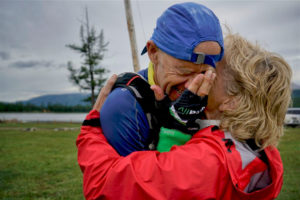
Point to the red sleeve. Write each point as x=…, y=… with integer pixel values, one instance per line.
x=185, y=172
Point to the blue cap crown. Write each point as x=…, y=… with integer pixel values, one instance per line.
x=182, y=27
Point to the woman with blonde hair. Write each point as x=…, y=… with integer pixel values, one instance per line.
x=258, y=82
x=234, y=158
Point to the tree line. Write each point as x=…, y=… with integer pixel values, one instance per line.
x=22, y=107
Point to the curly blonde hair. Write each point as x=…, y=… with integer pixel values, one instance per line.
x=260, y=82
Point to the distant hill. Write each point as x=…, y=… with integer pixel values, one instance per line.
x=296, y=98
x=71, y=99
x=296, y=93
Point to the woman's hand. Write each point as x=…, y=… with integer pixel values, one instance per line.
x=202, y=83
x=105, y=92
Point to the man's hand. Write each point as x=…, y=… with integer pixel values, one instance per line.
x=105, y=92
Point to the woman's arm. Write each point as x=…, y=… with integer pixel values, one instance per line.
x=183, y=173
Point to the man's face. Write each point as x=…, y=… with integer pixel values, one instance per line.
x=173, y=75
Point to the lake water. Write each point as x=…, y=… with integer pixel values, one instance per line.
x=43, y=117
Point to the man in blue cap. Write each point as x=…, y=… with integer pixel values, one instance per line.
x=184, y=47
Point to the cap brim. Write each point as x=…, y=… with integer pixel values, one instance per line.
x=144, y=50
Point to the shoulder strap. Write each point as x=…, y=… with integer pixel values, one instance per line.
x=140, y=89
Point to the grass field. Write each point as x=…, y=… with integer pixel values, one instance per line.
x=41, y=163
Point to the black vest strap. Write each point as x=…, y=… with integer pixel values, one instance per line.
x=141, y=90
x=92, y=122
x=139, y=87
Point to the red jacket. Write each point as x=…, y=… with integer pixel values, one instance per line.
x=212, y=165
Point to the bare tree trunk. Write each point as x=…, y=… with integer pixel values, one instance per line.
x=91, y=67
x=131, y=31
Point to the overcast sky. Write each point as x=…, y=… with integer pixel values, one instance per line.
x=33, y=35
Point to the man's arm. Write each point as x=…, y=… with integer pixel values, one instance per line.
x=124, y=123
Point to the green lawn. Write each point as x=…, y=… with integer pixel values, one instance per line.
x=42, y=164
x=289, y=148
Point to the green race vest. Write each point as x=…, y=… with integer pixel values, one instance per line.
x=170, y=137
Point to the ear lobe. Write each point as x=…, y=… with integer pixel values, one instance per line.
x=229, y=103
x=152, y=50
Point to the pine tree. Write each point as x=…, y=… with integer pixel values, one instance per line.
x=90, y=76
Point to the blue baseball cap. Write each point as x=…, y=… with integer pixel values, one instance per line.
x=182, y=27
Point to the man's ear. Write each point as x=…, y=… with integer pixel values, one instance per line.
x=152, y=50
x=229, y=103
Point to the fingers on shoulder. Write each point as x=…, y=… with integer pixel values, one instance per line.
x=110, y=83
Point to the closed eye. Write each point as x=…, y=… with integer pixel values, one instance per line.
x=185, y=71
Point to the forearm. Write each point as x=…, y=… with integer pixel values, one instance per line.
x=144, y=174
x=93, y=152
x=105, y=172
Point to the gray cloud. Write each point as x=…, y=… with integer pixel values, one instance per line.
x=34, y=39
x=63, y=65
x=4, y=55
x=31, y=64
